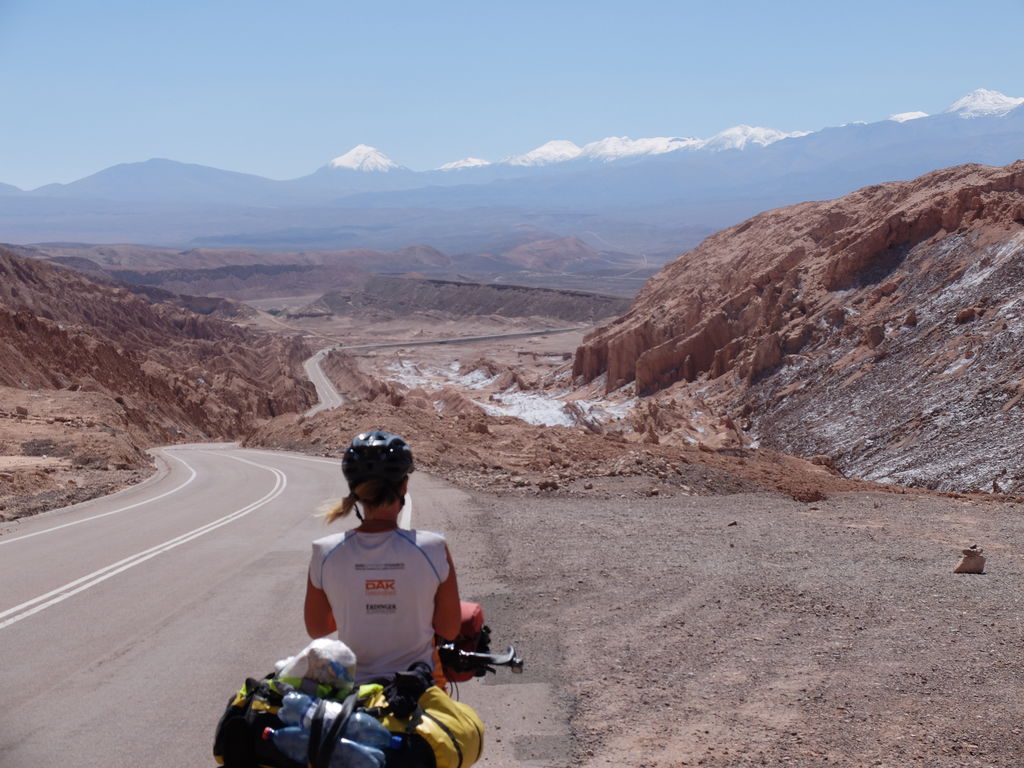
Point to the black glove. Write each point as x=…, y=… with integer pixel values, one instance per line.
x=404, y=690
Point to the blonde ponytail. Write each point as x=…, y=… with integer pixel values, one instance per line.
x=373, y=493
x=340, y=509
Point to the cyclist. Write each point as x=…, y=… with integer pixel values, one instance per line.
x=387, y=591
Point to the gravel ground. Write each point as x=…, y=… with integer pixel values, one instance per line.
x=60, y=487
x=751, y=629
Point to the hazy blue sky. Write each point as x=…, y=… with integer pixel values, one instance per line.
x=279, y=88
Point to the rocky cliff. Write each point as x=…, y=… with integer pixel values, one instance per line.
x=173, y=372
x=884, y=329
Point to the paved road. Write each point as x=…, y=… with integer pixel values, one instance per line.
x=326, y=392
x=127, y=622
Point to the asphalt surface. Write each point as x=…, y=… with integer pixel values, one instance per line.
x=126, y=623
x=327, y=394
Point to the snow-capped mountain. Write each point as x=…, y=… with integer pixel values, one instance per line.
x=903, y=117
x=984, y=102
x=557, y=151
x=617, y=147
x=742, y=136
x=674, y=182
x=365, y=158
x=981, y=102
x=466, y=162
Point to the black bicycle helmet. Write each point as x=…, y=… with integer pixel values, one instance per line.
x=376, y=455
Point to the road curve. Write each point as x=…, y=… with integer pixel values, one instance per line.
x=127, y=622
x=327, y=394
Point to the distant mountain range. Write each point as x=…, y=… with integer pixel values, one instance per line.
x=655, y=196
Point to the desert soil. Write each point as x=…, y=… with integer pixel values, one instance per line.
x=753, y=630
x=58, y=448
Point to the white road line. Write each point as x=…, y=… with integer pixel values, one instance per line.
x=72, y=588
x=283, y=455
x=191, y=477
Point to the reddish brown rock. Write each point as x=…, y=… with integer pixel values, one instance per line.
x=748, y=281
x=789, y=312
x=874, y=335
x=175, y=374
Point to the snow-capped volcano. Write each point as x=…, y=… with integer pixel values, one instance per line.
x=739, y=136
x=466, y=162
x=557, y=151
x=365, y=158
x=652, y=194
x=904, y=117
x=616, y=147
x=983, y=102
x=979, y=103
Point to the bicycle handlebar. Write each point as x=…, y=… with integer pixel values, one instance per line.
x=479, y=663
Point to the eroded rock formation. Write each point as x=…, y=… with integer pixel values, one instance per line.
x=742, y=298
x=174, y=373
x=830, y=327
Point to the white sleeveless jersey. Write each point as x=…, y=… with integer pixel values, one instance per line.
x=381, y=588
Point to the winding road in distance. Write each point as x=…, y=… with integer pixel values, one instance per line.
x=327, y=394
x=127, y=622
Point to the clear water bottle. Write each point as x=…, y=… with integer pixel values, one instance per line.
x=298, y=709
x=352, y=754
x=367, y=730
x=293, y=741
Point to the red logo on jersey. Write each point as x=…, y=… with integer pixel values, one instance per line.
x=380, y=587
